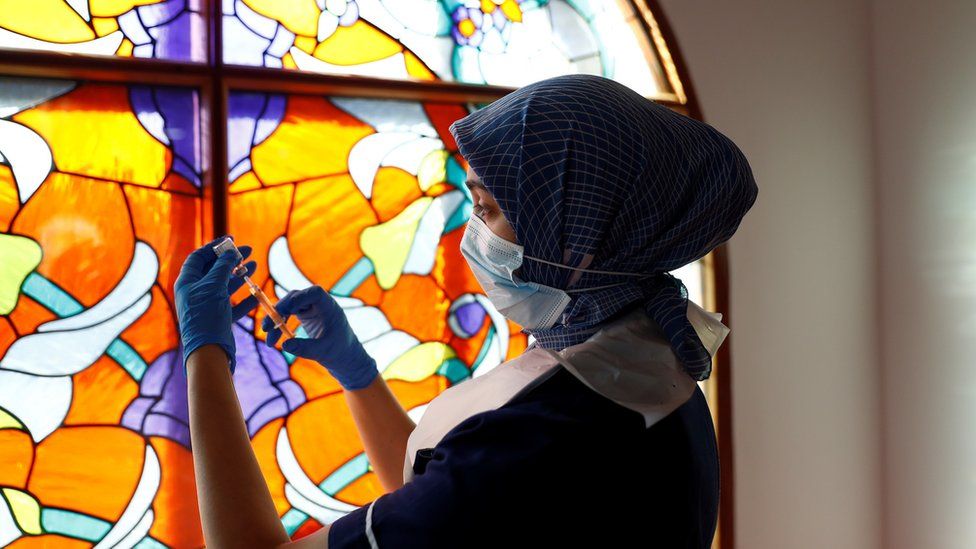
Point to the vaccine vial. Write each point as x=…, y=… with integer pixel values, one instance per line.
x=228, y=244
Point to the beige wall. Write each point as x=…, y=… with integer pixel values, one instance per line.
x=925, y=128
x=788, y=81
x=854, y=279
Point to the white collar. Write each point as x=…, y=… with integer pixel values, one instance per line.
x=631, y=362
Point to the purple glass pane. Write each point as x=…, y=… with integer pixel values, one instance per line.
x=267, y=413
x=293, y=393
x=175, y=40
x=162, y=410
x=154, y=15
x=155, y=377
x=274, y=111
x=273, y=362
x=178, y=109
x=159, y=425
x=256, y=367
x=243, y=108
x=173, y=400
x=251, y=118
x=470, y=317
x=135, y=414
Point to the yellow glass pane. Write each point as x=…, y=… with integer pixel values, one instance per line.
x=298, y=16
x=89, y=139
x=360, y=43
x=48, y=20
x=300, y=150
x=112, y=8
x=104, y=25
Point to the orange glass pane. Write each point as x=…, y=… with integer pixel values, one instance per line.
x=16, y=457
x=330, y=207
x=265, y=444
x=321, y=447
x=102, y=392
x=105, y=467
x=177, y=522
x=84, y=228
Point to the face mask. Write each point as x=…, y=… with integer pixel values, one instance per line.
x=493, y=260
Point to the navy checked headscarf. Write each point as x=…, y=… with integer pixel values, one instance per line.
x=592, y=175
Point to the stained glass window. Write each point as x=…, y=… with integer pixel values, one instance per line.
x=499, y=42
x=156, y=29
x=99, y=198
x=111, y=176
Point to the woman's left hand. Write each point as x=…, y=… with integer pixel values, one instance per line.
x=203, y=292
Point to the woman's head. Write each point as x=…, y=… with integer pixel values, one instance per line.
x=590, y=175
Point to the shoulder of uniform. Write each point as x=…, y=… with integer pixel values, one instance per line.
x=561, y=397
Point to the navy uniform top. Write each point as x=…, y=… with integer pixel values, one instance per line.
x=558, y=465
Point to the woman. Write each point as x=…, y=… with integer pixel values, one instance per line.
x=585, y=195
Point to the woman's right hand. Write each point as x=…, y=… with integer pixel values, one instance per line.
x=330, y=342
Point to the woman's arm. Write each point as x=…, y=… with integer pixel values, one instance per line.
x=235, y=505
x=384, y=427
x=382, y=422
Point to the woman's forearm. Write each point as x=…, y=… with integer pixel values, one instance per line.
x=384, y=427
x=235, y=505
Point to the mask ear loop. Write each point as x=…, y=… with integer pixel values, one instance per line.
x=581, y=290
x=640, y=275
x=596, y=271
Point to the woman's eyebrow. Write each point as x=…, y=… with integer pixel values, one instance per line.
x=471, y=184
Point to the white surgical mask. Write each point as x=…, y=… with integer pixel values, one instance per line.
x=493, y=260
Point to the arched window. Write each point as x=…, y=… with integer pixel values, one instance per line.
x=132, y=131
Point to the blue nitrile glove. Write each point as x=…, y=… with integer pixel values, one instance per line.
x=203, y=292
x=331, y=341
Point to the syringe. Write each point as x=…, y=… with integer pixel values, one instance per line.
x=241, y=271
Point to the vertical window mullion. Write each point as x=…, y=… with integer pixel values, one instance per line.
x=217, y=130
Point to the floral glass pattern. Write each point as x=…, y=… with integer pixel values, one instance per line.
x=499, y=42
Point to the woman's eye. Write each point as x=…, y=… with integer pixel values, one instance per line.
x=478, y=210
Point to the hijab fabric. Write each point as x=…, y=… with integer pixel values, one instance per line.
x=592, y=175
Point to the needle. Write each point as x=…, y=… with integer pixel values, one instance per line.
x=268, y=308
